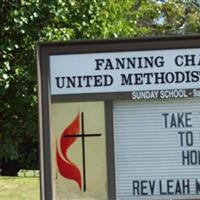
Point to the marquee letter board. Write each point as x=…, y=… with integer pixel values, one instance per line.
x=120, y=119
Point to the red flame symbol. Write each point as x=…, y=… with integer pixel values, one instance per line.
x=66, y=168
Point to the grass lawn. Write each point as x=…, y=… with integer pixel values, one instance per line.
x=19, y=188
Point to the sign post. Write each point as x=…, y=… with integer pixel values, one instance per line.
x=120, y=119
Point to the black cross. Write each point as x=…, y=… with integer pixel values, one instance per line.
x=83, y=135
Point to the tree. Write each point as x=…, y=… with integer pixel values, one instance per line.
x=20, y=22
x=24, y=22
x=180, y=17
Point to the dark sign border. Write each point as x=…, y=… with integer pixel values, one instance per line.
x=45, y=50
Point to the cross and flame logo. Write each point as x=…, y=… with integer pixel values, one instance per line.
x=66, y=167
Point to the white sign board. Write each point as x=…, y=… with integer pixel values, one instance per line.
x=157, y=149
x=125, y=71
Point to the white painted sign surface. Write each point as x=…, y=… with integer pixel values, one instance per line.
x=157, y=149
x=125, y=71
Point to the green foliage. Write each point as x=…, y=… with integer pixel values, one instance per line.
x=20, y=25
x=180, y=18
x=24, y=22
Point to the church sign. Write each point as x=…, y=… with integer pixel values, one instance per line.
x=120, y=119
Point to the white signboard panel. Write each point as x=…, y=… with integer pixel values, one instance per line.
x=157, y=149
x=125, y=71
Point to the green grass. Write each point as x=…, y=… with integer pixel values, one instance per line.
x=19, y=188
